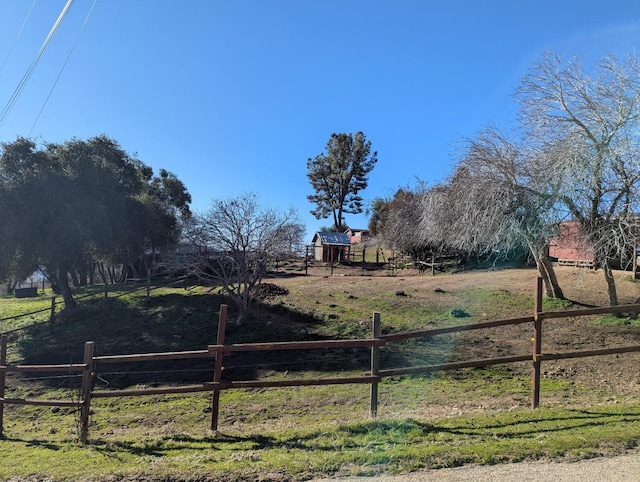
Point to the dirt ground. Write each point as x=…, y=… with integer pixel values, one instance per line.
x=599, y=379
x=593, y=380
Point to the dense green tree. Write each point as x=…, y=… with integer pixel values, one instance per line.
x=379, y=212
x=338, y=175
x=75, y=204
x=22, y=191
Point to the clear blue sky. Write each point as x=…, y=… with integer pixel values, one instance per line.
x=234, y=96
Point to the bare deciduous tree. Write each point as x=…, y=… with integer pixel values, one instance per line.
x=497, y=203
x=587, y=126
x=235, y=244
x=400, y=218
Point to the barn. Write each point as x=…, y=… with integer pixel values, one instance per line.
x=331, y=247
x=570, y=248
x=357, y=235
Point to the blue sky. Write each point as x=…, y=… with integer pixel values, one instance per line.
x=234, y=96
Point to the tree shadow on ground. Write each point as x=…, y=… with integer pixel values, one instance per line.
x=171, y=323
x=398, y=429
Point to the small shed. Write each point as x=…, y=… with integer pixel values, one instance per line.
x=31, y=292
x=331, y=247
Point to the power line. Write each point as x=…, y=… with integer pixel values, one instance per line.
x=63, y=66
x=27, y=75
x=26, y=18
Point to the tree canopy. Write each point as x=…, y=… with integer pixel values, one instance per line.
x=70, y=204
x=338, y=176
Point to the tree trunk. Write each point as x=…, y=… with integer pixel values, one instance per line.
x=65, y=289
x=611, y=283
x=54, y=283
x=545, y=268
x=92, y=271
x=11, y=286
x=74, y=278
x=83, y=274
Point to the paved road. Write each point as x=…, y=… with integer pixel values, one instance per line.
x=624, y=468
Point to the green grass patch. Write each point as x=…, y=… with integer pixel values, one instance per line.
x=19, y=312
x=128, y=446
x=292, y=433
x=488, y=301
x=556, y=304
x=613, y=320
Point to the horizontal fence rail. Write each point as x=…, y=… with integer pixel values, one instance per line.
x=178, y=355
x=545, y=315
x=47, y=403
x=296, y=345
x=587, y=353
x=218, y=351
x=483, y=362
x=301, y=382
x=454, y=329
x=44, y=368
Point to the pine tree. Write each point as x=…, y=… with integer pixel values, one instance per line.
x=339, y=175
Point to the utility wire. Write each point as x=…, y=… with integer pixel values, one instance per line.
x=63, y=66
x=27, y=75
x=17, y=36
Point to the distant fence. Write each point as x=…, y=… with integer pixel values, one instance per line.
x=368, y=260
x=218, y=351
x=96, y=295
x=52, y=314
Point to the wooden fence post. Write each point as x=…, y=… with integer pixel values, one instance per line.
x=217, y=372
x=87, y=381
x=537, y=346
x=52, y=313
x=306, y=259
x=375, y=363
x=393, y=263
x=635, y=257
x=3, y=373
x=331, y=253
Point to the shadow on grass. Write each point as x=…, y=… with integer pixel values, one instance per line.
x=32, y=442
x=574, y=419
x=371, y=434
x=176, y=322
x=376, y=436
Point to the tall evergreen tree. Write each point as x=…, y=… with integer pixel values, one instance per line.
x=339, y=175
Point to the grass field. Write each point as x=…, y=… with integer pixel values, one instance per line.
x=424, y=422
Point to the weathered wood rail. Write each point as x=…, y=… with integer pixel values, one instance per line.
x=218, y=351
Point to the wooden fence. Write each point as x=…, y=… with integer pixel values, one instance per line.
x=218, y=351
